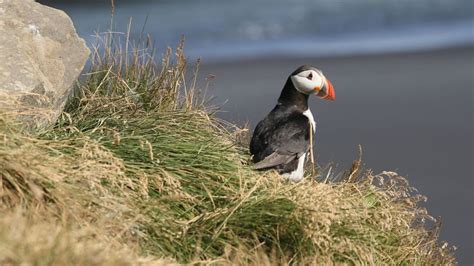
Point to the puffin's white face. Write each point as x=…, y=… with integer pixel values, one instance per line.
x=308, y=81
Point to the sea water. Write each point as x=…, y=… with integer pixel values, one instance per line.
x=224, y=30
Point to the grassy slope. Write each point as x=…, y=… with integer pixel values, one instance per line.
x=138, y=170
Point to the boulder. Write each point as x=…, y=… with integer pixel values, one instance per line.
x=41, y=57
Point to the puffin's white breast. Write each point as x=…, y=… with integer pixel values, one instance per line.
x=298, y=173
x=310, y=117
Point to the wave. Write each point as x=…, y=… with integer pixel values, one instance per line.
x=419, y=38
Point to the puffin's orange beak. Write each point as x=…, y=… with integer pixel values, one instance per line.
x=330, y=93
x=326, y=92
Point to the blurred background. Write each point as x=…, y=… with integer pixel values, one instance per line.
x=402, y=70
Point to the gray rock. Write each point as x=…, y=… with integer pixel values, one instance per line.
x=41, y=56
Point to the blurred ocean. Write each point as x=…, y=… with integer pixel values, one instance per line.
x=219, y=30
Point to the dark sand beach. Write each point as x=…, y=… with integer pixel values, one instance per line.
x=411, y=112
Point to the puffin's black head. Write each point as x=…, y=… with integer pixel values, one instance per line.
x=310, y=80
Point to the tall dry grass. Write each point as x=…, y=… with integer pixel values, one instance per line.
x=139, y=171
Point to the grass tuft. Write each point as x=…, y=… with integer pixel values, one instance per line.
x=138, y=169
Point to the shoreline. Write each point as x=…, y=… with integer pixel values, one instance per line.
x=461, y=48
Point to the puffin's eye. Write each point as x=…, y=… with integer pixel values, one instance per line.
x=310, y=76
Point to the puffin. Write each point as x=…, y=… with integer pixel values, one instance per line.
x=281, y=140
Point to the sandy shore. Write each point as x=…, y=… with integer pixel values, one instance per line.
x=411, y=113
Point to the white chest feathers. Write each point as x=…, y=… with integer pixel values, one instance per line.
x=298, y=173
x=310, y=117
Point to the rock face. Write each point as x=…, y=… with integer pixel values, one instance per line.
x=41, y=56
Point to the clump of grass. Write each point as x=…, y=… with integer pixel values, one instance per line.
x=25, y=240
x=139, y=158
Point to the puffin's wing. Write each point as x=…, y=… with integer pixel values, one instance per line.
x=274, y=159
x=288, y=141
